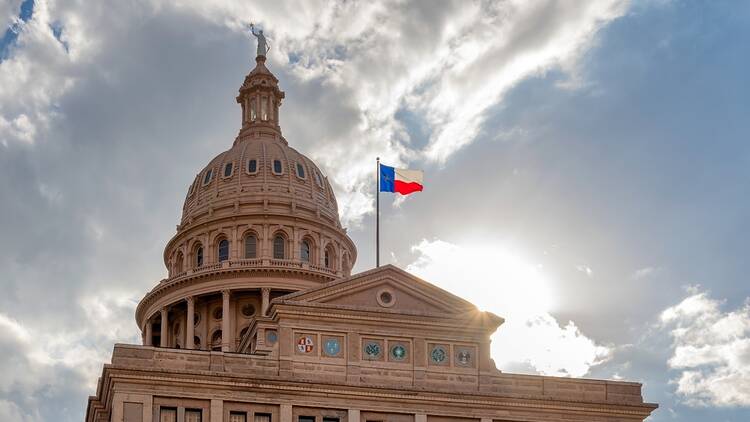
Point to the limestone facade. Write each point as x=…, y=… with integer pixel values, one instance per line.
x=260, y=318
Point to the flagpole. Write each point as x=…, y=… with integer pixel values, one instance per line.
x=377, y=212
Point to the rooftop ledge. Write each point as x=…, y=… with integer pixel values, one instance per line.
x=269, y=368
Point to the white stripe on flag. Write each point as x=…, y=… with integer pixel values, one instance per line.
x=406, y=175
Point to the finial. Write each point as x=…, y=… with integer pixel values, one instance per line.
x=262, y=44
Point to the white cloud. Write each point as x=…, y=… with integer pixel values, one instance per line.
x=711, y=351
x=447, y=64
x=503, y=282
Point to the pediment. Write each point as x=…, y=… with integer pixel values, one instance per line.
x=386, y=289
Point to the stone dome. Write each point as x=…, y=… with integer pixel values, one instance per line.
x=247, y=177
x=259, y=221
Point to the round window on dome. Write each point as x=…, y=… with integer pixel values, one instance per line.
x=218, y=313
x=248, y=310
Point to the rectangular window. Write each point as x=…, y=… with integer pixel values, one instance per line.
x=306, y=419
x=193, y=415
x=300, y=171
x=253, y=109
x=250, y=247
x=237, y=417
x=168, y=414
x=262, y=417
x=264, y=108
x=277, y=166
x=328, y=419
x=252, y=166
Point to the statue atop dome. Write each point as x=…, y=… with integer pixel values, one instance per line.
x=262, y=44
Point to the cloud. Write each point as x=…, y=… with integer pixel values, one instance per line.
x=711, y=350
x=503, y=282
x=445, y=63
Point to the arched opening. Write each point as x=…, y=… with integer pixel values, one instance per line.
x=304, y=250
x=223, y=250
x=279, y=247
x=178, y=262
x=216, y=341
x=251, y=246
x=199, y=256
x=328, y=259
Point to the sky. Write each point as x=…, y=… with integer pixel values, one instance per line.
x=586, y=167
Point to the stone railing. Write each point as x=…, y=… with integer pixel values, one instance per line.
x=251, y=263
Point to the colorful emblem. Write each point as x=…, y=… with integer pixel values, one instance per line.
x=438, y=354
x=305, y=344
x=332, y=347
x=398, y=352
x=463, y=357
x=372, y=350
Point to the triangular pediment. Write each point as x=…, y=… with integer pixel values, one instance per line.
x=388, y=289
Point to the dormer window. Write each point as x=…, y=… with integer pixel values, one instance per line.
x=228, y=167
x=277, y=169
x=300, y=171
x=207, y=177
x=252, y=166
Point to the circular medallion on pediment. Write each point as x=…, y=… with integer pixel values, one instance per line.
x=438, y=354
x=372, y=350
x=386, y=298
x=271, y=337
x=398, y=352
x=463, y=357
x=305, y=344
x=332, y=347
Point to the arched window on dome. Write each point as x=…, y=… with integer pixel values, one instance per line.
x=199, y=256
x=251, y=246
x=207, y=178
x=279, y=247
x=223, y=250
x=178, y=262
x=277, y=168
x=328, y=258
x=304, y=251
x=318, y=179
x=228, y=167
x=216, y=341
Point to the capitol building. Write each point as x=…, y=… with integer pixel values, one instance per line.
x=261, y=320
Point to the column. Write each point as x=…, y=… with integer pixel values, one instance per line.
x=190, y=323
x=285, y=413
x=354, y=415
x=266, y=296
x=234, y=249
x=164, y=323
x=149, y=333
x=217, y=410
x=225, y=319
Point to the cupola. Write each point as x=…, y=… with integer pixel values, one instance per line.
x=260, y=98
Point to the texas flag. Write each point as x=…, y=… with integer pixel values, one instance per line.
x=403, y=181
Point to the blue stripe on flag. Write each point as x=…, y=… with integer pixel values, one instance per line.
x=387, y=178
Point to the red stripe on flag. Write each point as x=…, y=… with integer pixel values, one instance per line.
x=405, y=188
